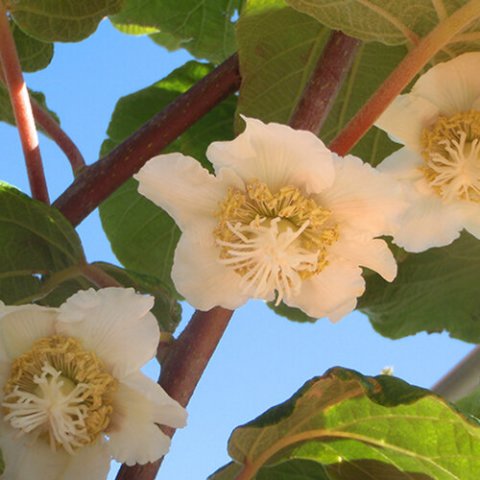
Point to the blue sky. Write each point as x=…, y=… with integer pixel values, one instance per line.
x=262, y=359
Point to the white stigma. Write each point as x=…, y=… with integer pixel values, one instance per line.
x=55, y=409
x=270, y=255
x=457, y=174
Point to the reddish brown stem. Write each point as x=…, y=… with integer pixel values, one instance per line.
x=22, y=109
x=416, y=59
x=101, y=179
x=325, y=83
x=182, y=370
x=53, y=129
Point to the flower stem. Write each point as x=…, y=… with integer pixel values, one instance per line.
x=325, y=83
x=182, y=369
x=102, y=178
x=53, y=129
x=22, y=109
x=97, y=276
x=64, y=142
x=438, y=38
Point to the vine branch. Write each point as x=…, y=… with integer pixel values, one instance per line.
x=22, y=109
x=102, y=178
x=418, y=57
x=325, y=83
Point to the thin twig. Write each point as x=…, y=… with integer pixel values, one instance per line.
x=58, y=135
x=22, y=109
x=182, y=369
x=102, y=178
x=416, y=59
x=97, y=276
x=326, y=80
x=51, y=127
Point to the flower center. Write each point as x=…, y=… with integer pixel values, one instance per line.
x=273, y=240
x=60, y=392
x=451, y=150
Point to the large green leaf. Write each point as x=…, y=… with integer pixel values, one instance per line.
x=356, y=428
x=204, y=27
x=143, y=236
x=387, y=21
x=35, y=240
x=61, y=20
x=33, y=54
x=434, y=291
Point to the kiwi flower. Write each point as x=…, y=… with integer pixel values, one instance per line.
x=439, y=166
x=73, y=396
x=282, y=219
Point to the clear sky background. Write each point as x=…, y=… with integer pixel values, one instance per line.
x=262, y=359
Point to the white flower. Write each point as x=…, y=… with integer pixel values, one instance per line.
x=72, y=393
x=281, y=219
x=439, y=167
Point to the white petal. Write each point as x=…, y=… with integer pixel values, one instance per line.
x=202, y=279
x=277, y=155
x=452, y=86
x=166, y=410
x=362, y=197
x=26, y=461
x=428, y=223
x=115, y=323
x=332, y=293
x=22, y=325
x=403, y=165
x=184, y=189
x=372, y=253
x=89, y=462
x=133, y=435
x=406, y=117
x=471, y=220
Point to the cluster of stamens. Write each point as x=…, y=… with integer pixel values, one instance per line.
x=273, y=240
x=451, y=151
x=59, y=392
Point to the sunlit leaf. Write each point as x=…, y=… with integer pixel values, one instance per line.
x=204, y=27
x=357, y=427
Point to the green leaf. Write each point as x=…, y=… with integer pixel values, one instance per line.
x=33, y=54
x=387, y=21
x=293, y=470
x=166, y=309
x=143, y=237
x=61, y=20
x=278, y=50
x=203, y=27
x=434, y=291
x=358, y=427
x=35, y=240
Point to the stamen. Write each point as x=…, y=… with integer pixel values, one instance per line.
x=273, y=241
x=451, y=151
x=60, y=392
